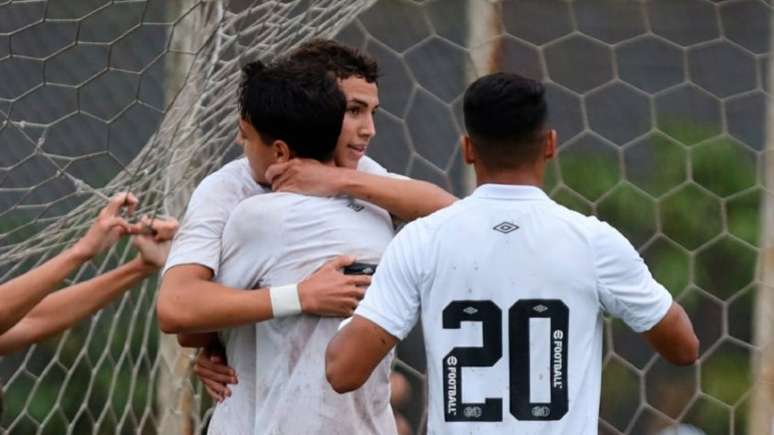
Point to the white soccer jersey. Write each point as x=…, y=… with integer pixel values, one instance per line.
x=512, y=288
x=198, y=241
x=281, y=238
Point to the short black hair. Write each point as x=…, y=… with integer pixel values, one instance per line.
x=505, y=116
x=341, y=60
x=302, y=106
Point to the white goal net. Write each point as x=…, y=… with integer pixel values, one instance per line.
x=661, y=107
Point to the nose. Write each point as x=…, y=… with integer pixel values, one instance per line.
x=368, y=127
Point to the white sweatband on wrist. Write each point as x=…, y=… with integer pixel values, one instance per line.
x=285, y=301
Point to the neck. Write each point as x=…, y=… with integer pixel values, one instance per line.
x=524, y=177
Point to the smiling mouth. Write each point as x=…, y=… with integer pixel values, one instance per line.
x=358, y=148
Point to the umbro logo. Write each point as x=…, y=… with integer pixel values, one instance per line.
x=505, y=227
x=540, y=308
x=470, y=311
x=355, y=206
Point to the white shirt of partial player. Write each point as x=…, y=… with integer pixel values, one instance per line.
x=252, y=238
x=510, y=256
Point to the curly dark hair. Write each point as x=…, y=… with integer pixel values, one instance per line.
x=343, y=61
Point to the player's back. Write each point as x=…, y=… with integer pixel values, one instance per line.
x=512, y=313
x=281, y=238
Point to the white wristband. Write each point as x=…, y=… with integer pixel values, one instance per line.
x=285, y=301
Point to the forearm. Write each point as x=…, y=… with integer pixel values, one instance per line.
x=407, y=199
x=354, y=352
x=197, y=305
x=62, y=309
x=19, y=295
x=673, y=337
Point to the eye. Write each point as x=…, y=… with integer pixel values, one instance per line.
x=355, y=110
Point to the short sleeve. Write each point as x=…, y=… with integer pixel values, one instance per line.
x=199, y=238
x=392, y=301
x=626, y=288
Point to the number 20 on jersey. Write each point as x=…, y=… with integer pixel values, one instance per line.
x=519, y=316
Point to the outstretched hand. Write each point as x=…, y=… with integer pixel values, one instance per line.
x=152, y=238
x=305, y=176
x=108, y=227
x=329, y=292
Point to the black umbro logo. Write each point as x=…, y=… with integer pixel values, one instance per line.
x=354, y=205
x=505, y=227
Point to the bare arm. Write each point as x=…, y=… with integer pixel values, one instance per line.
x=62, y=309
x=673, y=337
x=405, y=198
x=353, y=353
x=19, y=295
x=189, y=302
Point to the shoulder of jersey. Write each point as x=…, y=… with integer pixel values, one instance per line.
x=438, y=219
x=234, y=172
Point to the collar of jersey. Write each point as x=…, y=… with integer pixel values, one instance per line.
x=509, y=191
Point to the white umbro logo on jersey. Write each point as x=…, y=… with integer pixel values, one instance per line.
x=540, y=308
x=470, y=311
x=505, y=227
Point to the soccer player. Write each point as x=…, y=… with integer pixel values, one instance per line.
x=31, y=311
x=196, y=250
x=511, y=286
x=274, y=240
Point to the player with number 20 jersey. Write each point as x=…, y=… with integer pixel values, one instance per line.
x=511, y=286
x=513, y=322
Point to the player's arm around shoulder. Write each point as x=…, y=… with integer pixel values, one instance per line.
x=186, y=286
x=627, y=290
x=403, y=197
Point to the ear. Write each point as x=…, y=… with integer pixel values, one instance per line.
x=468, y=152
x=549, y=151
x=282, y=151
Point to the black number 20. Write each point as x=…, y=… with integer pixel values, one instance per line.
x=519, y=315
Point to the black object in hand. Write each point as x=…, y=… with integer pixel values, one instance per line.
x=360, y=269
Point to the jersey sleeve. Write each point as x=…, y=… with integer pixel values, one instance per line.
x=626, y=288
x=198, y=239
x=392, y=301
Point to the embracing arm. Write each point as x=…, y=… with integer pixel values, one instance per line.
x=355, y=352
x=405, y=198
x=190, y=302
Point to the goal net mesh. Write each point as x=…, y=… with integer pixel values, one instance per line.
x=661, y=109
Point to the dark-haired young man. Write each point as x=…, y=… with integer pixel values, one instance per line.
x=511, y=286
x=211, y=306
x=196, y=251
